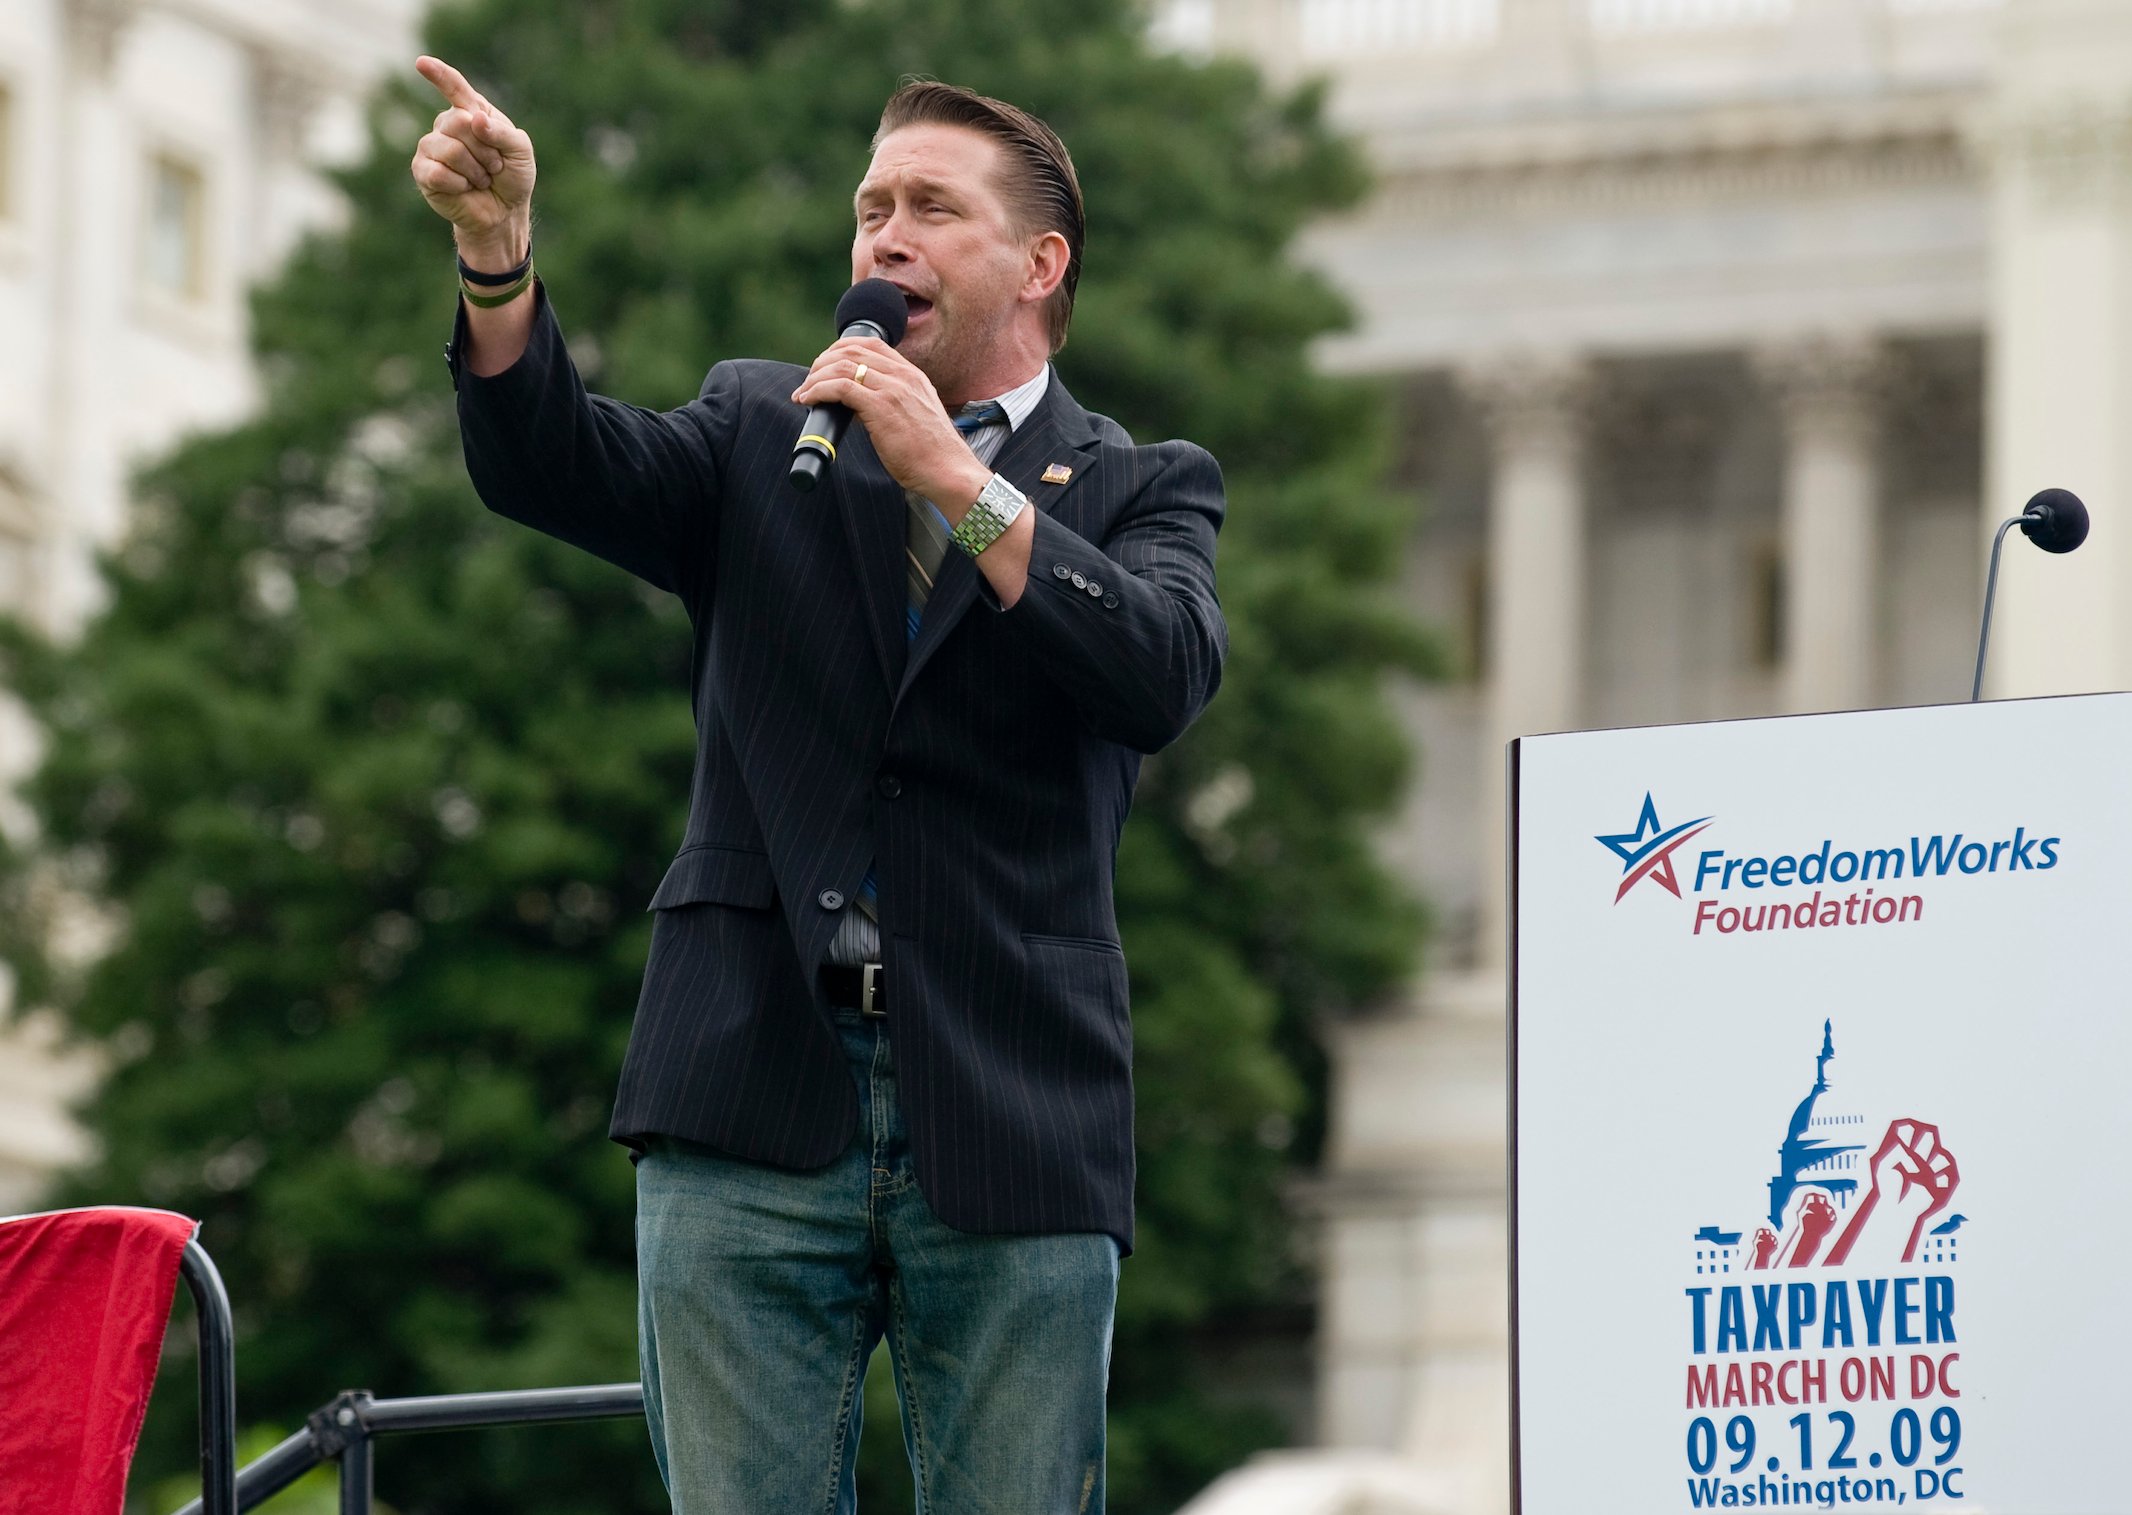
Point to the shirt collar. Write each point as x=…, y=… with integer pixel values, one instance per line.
x=1020, y=402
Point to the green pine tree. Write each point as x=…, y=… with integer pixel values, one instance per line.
x=374, y=786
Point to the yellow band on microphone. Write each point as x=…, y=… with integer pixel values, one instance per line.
x=811, y=437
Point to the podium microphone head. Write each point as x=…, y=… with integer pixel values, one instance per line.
x=2055, y=520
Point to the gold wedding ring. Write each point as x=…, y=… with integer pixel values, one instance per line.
x=858, y=375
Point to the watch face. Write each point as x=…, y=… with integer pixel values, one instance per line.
x=993, y=511
x=1002, y=498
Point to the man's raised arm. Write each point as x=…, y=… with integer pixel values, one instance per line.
x=637, y=487
x=476, y=170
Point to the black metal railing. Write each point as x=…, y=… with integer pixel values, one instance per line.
x=343, y=1430
x=218, y=1382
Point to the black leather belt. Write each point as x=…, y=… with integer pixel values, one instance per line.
x=856, y=986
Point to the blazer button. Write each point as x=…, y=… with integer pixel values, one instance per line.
x=1110, y=602
x=1061, y=571
x=1080, y=581
x=830, y=899
x=889, y=785
x=1095, y=589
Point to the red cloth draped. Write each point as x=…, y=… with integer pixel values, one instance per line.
x=84, y=1300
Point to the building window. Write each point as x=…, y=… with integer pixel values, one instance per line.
x=177, y=228
x=1473, y=618
x=1765, y=606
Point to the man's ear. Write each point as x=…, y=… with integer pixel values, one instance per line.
x=1048, y=261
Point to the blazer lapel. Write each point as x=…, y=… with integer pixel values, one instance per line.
x=873, y=508
x=1056, y=432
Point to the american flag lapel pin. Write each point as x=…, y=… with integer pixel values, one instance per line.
x=1057, y=473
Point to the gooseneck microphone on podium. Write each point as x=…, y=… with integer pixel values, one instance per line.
x=2055, y=521
x=870, y=308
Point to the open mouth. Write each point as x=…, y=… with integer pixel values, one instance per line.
x=918, y=305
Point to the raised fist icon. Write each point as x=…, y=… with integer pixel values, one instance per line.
x=1914, y=1177
x=1812, y=1218
x=1762, y=1251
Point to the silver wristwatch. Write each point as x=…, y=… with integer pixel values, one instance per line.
x=998, y=503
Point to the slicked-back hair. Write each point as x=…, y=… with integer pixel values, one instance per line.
x=1041, y=190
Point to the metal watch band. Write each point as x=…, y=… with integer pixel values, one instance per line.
x=996, y=506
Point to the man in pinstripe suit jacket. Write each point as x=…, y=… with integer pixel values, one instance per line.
x=885, y=967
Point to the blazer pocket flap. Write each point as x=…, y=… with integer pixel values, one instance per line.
x=1041, y=940
x=719, y=875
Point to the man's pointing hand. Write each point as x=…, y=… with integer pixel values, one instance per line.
x=476, y=170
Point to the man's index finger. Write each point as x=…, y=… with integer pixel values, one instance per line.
x=450, y=83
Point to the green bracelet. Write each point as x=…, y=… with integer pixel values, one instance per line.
x=490, y=302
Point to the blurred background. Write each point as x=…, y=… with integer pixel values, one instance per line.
x=1571, y=362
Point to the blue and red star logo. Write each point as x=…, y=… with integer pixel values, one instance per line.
x=1647, y=852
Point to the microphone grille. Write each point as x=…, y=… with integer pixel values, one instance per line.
x=2062, y=522
x=878, y=301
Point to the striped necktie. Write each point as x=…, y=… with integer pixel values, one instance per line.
x=926, y=529
x=925, y=544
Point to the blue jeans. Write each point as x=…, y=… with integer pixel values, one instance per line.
x=761, y=1295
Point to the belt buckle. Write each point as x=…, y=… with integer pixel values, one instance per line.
x=869, y=974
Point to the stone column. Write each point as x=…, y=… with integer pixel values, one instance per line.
x=2058, y=141
x=92, y=251
x=288, y=88
x=1828, y=389
x=49, y=482
x=1534, y=410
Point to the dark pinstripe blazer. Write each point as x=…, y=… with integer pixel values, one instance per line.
x=988, y=766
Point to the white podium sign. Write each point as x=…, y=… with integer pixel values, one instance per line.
x=1821, y=1082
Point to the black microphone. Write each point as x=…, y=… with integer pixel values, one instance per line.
x=2056, y=521
x=870, y=308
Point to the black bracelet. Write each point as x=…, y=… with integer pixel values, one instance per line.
x=475, y=276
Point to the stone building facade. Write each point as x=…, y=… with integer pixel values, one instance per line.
x=157, y=157
x=1724, y=332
